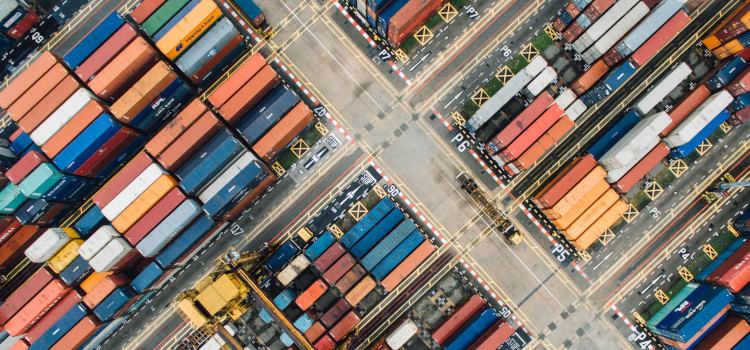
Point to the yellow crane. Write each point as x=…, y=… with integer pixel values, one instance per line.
x=488, y=207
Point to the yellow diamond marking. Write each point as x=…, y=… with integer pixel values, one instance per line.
x=300, y=148
x=551, y=31
x=358, y=211
x=321, y=128
x=278, y=169
x=607, y=237
x=685, y=274
x=423, y=35
x=704, y=147
x=678, y=167
x=480, y=97
x=401, y=55
x=661, y=296
x=529, y=52
x=447, y=12
x=458, y=118
x=504, y=74
x=725, y=127
x=710, y=251
x=335, y=230
x=653, y=190
x=630, y=214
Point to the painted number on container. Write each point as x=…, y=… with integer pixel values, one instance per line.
x=236, y=229
x=462, y=144
x=471, y=12
x=560, y=252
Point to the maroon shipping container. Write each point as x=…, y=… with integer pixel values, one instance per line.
x=457, y=319
x=131, y=259
x=25, y=166
x=350, y=278
x=46, y=219
x=37, y=307
x=344, y=325
x=67, y=303
x=189, y=142
x=109, y=153
x=733, y=27
x=572, y=32
x=522, y=121
x=8, y=226
x=23, y=25
x=335, y=312
x=726, y=335
x=728, y=264
x=122, y=179
x=650, y=3
x=531, y=134
x=494, y=337
x=250, y=198
x=338, y=269
x=612, y=57
x=12, y=250
x=333, y=253
x=738, y=276
x=660, y=38
x=410, y=18
x=42, y=87
x=147, y=7
x=106, y=52
x=738, y=85
x=641, y=168
x=203, y=73
x=28, y=290
x=739, y=117
x=572, y=10
x=154, y=216
x=558, y=24
x=562, y=183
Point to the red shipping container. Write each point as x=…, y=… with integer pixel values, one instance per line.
x=25, y=166
x=249, y=94
x=522, y=121
x=79, y=334
x=147, y=7
x=21, y=344
x=685, y=106
x=406, y=267
x=559, y=25
x=589, y=78
x=562, y=183
x=104, y=289
x=28, y=290
x=37, y=307
x=458, y=318
x=726, y=335
x=572, y=33
x=290, y=125
x=324, y=343
x=124, y=70
x=106, y=52
x=189, y=142
x=49, y=104
x=154, y=216
x=27, y=78
x=641, y=168
x=531, y=134
x=67, y=303
x=494, y=337
x=202, y=74
x=42, y=87
x=338, y=269
x=660, y=38
x=335, y=312
x=8, y=226
x=309, y=296
x=325, y=260
x=738, y=275
x=12, y=250
x=73, y=128
x=530, y=156
x=739, y=84
x=740, y=117
x=350, y=278
x=109, y=153
x=176, y=127
x=250, y=198
x=410, y=18
x=651, y=3
x=122, y=179
x=23, y=26
x=344, y=325
x=236, y=80
x=728, y=264
x=612, y=57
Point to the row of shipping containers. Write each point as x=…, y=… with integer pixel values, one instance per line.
x=116, y=116
x=382, y=249
x=711, y=312
x=472, y=325
x=395, y=20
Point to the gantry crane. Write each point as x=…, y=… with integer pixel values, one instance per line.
x=722, y=187
x=499, y=219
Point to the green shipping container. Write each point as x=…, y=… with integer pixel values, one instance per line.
x=40, y=180
x=10, y=198
x=162, y=16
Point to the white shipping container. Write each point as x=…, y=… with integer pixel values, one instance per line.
x=96, y=242
x=699, y=118
x=623, y=26
x=49, y=243
x=6, y=7
x=211, y=344
x=229, y=173
x=61, y=116
x=536, y=66
x=643, y=136
x=132, y=191
x=291, y=271
x=402, y=334
x=542, y=80
x=575, y=110
x=362, y=7
x=603, y=24
x=565, y=99
x=513, y=170
x=170, y=227
x=498, y=160
x=655, y=20
x=664, y=86
x=110, y=255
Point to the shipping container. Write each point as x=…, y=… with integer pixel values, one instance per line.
x=663, y=87
x=360, y=290
x=350, y=278
x=159, y=16
x=563, y=182
x=388, y=243
x=303, y=323
x=376, y=234
x=170, y=227
x=176, y=127
x=660, y=38
x=729, y=29
x=27, y=78
x=112, y=154
x=24, y=293
x=65, y=256
x=122, y=179
x=683, y=150
x=409, y=19
x=521, y=122
x=134, y=189
x=571, y=198
x=726, y=73
x=281, y=256
x=189, y=142
x=249, y=94
x=291, y=271
x=283, y=299
x=236, y=80
x=591, y=214
x=397, y=255
x=458, y=318
x=337, y=270
x=726, y=335
x=25, y=165
x=143, y=203
x=276, y=139
x=11, y=198
x=111, y=255
x=406, y=267
x=220, y=61
x=25, y=102
x=367, y=222
x=324, y=343
x=309, y=296
x=127, y=108
x=215, y=39
x=189, y=240
x=145, y=9
x=737, y=86
x=77, y=335
x=37, y=307
x=73, y=128
x=590, y=77
x=635, y=143
x=635, y=174
x=329, y=257
x=531, y=134
x=147, y=278
x=186, y=7
x=698, y=119
x=61, y=327
x=13, y=250
x=93, y=40
x=716, y=263
x=346, y=324
x=261, y=118
x=49, y=244
x=588, y=237
x=104, y=288
x=236, y=179
x=473, y=329
x=251, y=11
x=603, y=24
x=685, y=322
x=671, y=305
x=76, y=272
x=380, y=25
x=209, y=161
x=189, y=29
x=494, y=337
x=314, y=332
x=655, y=20
x=685, y=106
x=402, y=334
x=68, y=302
x=124, y=70
x=47, y=105
x=113, y=303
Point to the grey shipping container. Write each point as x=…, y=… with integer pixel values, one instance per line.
x=214, y=40
x=170, y=227
x=660, y=15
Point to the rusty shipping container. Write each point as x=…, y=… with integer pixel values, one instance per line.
x=350, y=278
x=458, y=318
x=590, y=77
x=344, y=325
x=24, y=293
x=27, y=78
x=531, y=134
x=314, y=332
x=410, y=18
x=291, y=125
x=176, y=127
x=124, y=70
x=726, y=335
x=333, y=253
x=339, y=268
x=67, y=303
x=562, y=183
x=249, y=94
x=334, y=313
x=189, y=142
x=13, y=249
x=236, y=80
x=102, y=290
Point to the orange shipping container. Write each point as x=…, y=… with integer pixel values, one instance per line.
x=685, y=106
x=36, y=92
x=284, y=132
x=175, y=127
x=188, y=29
x=576, y=193
x=143, y=92
x=144, y=202
x=189, y=142
x=306, y=299
x=529, y=156
x=590, y=77
x=561, y=127
x=563, y=182
x=249, y=94
x=49, y=104
x=27, y=78
x=407, y=266
x=584, y=203
x=587, y=238
x=90, y=282
x=79, y=334
x=21, y=344
x=124, y=70
x=37, y=307
x=104, y=289
x=236, y=80
x=360, y=291
x=315, y=331
x=726, y=335
x=71, y=129
x=593, y=212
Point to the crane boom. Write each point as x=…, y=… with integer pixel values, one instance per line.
x=725, y=186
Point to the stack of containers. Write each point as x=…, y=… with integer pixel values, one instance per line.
x=735, y=24
x=14, y=239
x=588, y=16
x=568, y=15
x=616, y=32
x=699, y=124
x=662, y=88
x=603, y=24
x=17, y=19
x=528, y=135
x=609, y=83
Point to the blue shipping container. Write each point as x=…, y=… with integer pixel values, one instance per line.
x=247, y=177
x=175, y=19
x=13, y=18
x=31, y=210
x=163, y=109
x=388, y=244
x=677, y=309
x=614, y=134
x=671, y=305
x=739, y=102
x=208, y=162
x=156, y=102
x=616, y=77
x=742, y=224
x=320, y=245
x=21, y=143
x=385, y=16
x=265, y=114
x=241, y=194
x=473, y=328
x=113, y=303
x=726, y=73
x=720, y=259
x=93, y=40
x=372, y=237
x=185, y=242
x=222, y=65
x=251, y=10
x=284, y=299
x=303, y=323
x=373, y=217
x=76, y=272
x=684, y=150
x=398, y=255
x=698, y=314
x=61, y=327
x=147, y=277
x=378, y=5
x=86, y=143
x=281, y=256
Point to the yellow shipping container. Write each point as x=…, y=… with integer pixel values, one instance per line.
x=90, y=282
x=211, y=300
x=586, y=239
x=360, y=291
x=567, y=202
x=711, y=42
x=227, y=288
x=189, y=29
x=192, y=313
x=65, y=256
x=141, y=205
x=596, y=210
x=581, y=206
